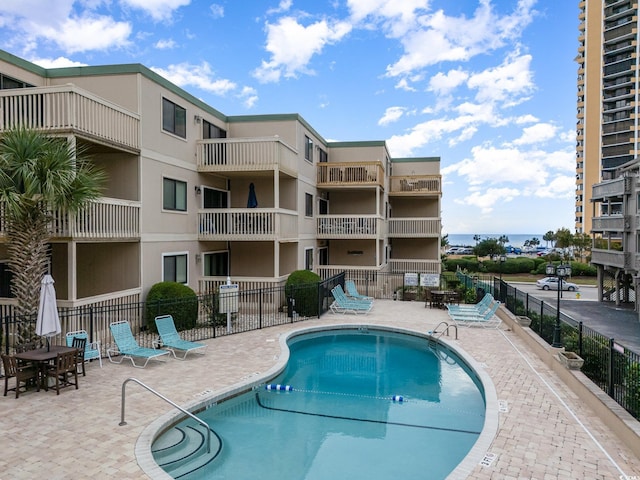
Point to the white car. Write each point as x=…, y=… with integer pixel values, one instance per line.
x=551, y=283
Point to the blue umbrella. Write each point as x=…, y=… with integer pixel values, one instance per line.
x=252, y=202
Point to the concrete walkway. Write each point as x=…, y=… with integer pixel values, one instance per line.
x=545, y=431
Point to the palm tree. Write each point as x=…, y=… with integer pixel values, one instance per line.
x=477, y=238
x=39, y=175
x=550, y=236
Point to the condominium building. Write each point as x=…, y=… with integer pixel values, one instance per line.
x=607, y=141
x=196, y=196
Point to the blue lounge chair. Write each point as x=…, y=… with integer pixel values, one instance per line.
x=344, y=304
x=170, y=339
x=487, y=319
x=91, y=349
x=481, y=306
x=127, y=346
x=352, y=291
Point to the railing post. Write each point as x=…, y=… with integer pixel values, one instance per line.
x=580, y=333
x=610, y=386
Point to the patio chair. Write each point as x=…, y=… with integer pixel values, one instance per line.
x=91, y=350
x=64, y=370
x=343, y=304
x=22, y=373
x=485, y=320
x=479, y=307
x=127, y=346
x=170, y=338
x=352, y=291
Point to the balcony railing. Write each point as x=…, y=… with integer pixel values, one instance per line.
x=350, y=174
x=106, y=218
x=609, y=258
x=349, y=226
x=246, y=155
x=409, y=265
x=68, y=108
x=612, y=188
x=611, y=223
x=247, y=224
x=416, y=185
x=414, y=227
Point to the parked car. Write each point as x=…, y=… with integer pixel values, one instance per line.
x=551, y=283
x=465, y=251
x=452, y=251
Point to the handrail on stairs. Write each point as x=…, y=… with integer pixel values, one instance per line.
x=191, y=415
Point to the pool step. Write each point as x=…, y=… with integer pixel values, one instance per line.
x=183, y=450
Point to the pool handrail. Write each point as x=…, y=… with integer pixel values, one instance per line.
x=189, y=414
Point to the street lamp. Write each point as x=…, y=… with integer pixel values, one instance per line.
x=503, y=258
x=561, y=272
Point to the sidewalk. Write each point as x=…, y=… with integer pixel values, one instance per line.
x=544, y=432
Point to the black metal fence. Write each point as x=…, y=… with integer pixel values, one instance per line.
x=608, y=363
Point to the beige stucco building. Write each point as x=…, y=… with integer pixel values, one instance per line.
x=177, y=205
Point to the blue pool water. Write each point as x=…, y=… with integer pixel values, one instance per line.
x=363, y=405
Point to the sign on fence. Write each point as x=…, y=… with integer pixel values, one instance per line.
x=411, y=279
x=229, y=298
x=429, y=280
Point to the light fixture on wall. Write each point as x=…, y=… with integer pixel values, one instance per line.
x=197, y=119
x=198, y=257
x=198, y=190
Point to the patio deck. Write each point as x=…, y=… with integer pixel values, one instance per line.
x=546, y=431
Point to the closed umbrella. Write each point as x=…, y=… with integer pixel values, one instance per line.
x=48, y=324
x=252, y=201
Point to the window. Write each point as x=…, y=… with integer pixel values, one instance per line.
x=323, y=206
x=323, y=256
x=322, y=156
x=308, y=258
x=308, y=149
x=174, y=268
x=209, y=130
x=216, y=264
x=308, y=205
x=174, y=195
x=6, y=276
x=174, y=118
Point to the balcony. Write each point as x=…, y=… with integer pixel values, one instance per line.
x=69, y=109
x=611, y=223
x=248, y=224
x=227, y=155
x=416, y=185
x=613, y=188
x=414, y=265
x=350, y=174
x=104, y=219
x=349, y=226
x=414, y=227
x=609, y=258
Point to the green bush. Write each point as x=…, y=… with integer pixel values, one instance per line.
x=469, y=264
x=175, y=299
x=302, y=287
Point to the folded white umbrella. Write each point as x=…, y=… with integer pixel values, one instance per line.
x=48, y=324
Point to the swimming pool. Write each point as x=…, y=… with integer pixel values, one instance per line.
x=359, y=401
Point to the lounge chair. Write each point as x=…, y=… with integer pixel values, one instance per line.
x=127, y=346
x=170, y=339
x=481, y=306
x=344, y=304
x=352, y=291
x=91, y=349
x=487, y=319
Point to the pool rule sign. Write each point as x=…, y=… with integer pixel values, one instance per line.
x=229, y=300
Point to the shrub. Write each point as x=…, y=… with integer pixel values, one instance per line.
x=302, y=287
x=175, y=299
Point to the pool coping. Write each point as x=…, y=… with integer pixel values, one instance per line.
x=475, y=455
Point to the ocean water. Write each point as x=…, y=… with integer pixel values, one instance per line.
x=515, y=240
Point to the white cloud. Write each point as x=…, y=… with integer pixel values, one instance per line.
x=81, y=34
x=391, y=114
x=504, y=83
x=249, y=96
x=442, y=83
x=292, y=45
x=562, y=186
x=486, y=200
x=159, y=10
x=283, y=6
x=538, y=133
x=199, y=76
x=165, y=44
x=60, y=62
x=217, y=11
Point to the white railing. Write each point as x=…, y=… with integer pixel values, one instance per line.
x=69, y=108
x=350, y=173
x=246, y=154
x=247, y=224
x=212, y=284
x=608, y=257
x=104, y=218
x=414, y=227
x=349, y=226
x=614, y=223
x=416, y=184
x=415, y=266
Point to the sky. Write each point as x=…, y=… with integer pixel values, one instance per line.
x=489, y=86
